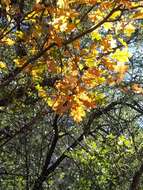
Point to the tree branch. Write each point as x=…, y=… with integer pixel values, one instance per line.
x=136, y=178
x=49, y=170
x=21, y=91
x=13, y=74
x=43, y=175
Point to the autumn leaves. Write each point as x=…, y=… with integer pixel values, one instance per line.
x=63, y=44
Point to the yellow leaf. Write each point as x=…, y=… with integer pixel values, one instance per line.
x=78, y=113
x=129, y=29
x=122, y=42
x=8, y=41
x=41, y=92
x=90, y=62
x=99, y=97
x=107, y=25
x=2, y=65
x=121, y=55
x=63, y=4
x=19, y=34
x=50, y=101
x=19, y=61
x=115, y=14
x=33, y=50
x=95, y=35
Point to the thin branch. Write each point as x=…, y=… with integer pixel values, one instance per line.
x=50, y=169
x=26, y=127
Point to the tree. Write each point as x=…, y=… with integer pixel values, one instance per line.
x=63, y=64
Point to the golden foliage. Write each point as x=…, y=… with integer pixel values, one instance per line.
x=88, y=50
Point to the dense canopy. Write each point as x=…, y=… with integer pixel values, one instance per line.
x=71, y=94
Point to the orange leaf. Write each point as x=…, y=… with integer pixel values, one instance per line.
x=138, y=15
x=137, y=88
